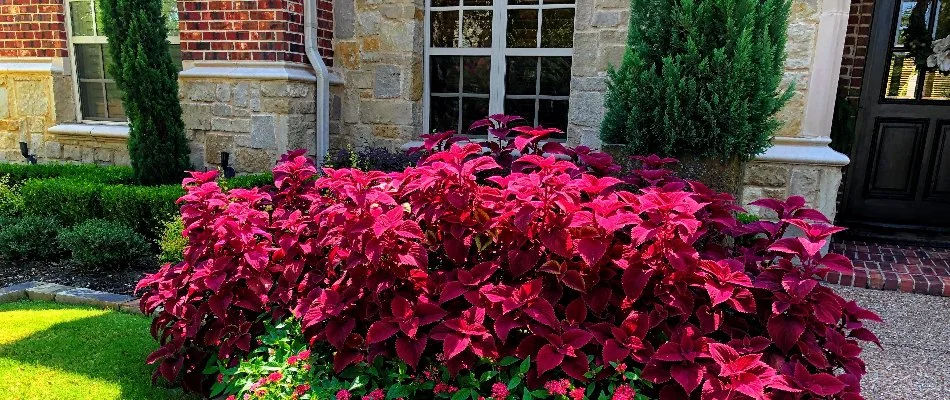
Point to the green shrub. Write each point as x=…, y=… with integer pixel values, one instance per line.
x=19, y=173
x=68, y=200
x=699, y=78
x=31, y=237
x=104, y=244
x=143, y=69
x=143, y=208
x=172, y=241
x=11, y=202
x=248, y=181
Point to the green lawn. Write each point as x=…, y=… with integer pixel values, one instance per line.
x=54, y=351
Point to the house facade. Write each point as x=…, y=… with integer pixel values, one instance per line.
x=263, y=76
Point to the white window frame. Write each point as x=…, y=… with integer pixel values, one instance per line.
x=498, y=53
x=72, y=41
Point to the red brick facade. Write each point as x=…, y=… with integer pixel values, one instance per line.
x=856, y=48
x=325, y=30
x=32, y=28
x=243, y=30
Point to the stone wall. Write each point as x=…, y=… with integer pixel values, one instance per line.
x=26, y=110
x=781, y=180
x=255, y=120
x=378, y=51
x=600, y=35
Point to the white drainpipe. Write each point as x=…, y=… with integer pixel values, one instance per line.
x=323, y=80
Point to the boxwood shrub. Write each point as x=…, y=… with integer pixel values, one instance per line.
x=98, y=243
x=32, y=237
x=90, y=172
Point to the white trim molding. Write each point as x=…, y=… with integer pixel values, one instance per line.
x=261, y=71
x=49, y=65
x=110, y=131
x=803, y=151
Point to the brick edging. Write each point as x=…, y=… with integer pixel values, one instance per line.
x=892, y=281
x=57, y=293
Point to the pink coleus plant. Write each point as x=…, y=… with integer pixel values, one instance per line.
x=477, y=254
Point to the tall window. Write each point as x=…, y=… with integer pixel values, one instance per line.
x=501, y=56
x=99, y=96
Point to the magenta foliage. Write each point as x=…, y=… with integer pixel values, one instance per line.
x=476, y=253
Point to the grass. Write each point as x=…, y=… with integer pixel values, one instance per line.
x=56, y=351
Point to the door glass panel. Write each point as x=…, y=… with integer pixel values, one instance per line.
x=936, y=86
x=476, y=28
x=901, y=78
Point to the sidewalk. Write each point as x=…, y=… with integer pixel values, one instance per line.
x=915, y=361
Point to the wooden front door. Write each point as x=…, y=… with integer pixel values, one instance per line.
x=900, y=165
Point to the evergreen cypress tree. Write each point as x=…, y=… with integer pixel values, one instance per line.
x=699, y=78
x=143, y=69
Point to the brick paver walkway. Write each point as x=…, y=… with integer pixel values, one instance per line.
x=911, y=269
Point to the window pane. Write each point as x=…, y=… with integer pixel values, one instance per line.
x=476, y=75
x=556, y=76
x=107, y=59
x=80, y=14
x=114, y=102
x=444, y=74
x=445, y=28
x=99, y=16
x=901, y=77
x=521, y=76
x=92, y=100
x=477, y=2
x=521, y=107
x=558, y=1
x=936, y=86
x=444, y=113
x=476, y=28
x=170, y=8
x=522, y=2
x=522, y=28
x=553, y=114
x=444, y=3
x=89, y=61
x=557, y=28
x=473, y=109
x=175, y=51
x=943, y=20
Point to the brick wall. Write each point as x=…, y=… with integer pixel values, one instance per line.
x=242, y=30
x=32, y=28
x=856, y=48
x=325, y=30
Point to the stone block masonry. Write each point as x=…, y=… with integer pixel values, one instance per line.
x=255, y=120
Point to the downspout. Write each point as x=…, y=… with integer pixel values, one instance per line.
x=322, y=130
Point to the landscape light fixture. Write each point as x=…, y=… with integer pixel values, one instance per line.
x=228, y=171
x=25, y=151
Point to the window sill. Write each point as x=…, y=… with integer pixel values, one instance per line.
x=91, y=130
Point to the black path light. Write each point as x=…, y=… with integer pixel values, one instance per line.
x=228, y=170
x=25, y=151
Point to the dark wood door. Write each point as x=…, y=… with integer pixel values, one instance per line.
x=900, y=170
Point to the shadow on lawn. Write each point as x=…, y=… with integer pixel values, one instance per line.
x=110, y=347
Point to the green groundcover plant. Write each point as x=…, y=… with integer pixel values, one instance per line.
x=97, y=243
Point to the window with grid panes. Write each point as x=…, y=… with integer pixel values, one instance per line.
x=489, y=57
x=99, y=96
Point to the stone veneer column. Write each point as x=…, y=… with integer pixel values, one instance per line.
x=378, y=54
x=800, y=161
x=600, y=36
x=254, y=111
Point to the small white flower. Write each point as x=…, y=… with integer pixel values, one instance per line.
x=941, y=56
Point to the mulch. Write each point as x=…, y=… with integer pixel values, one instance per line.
x=119, y=281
